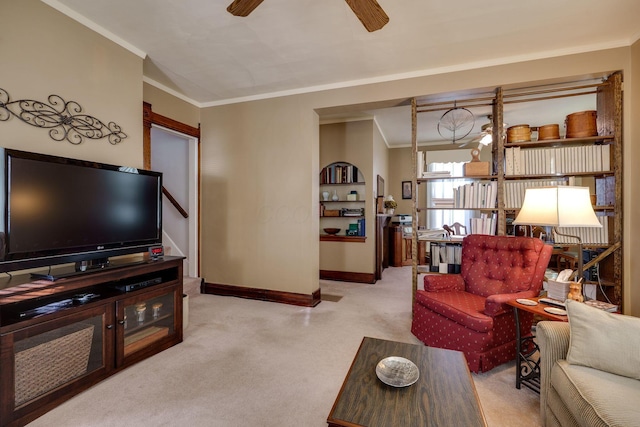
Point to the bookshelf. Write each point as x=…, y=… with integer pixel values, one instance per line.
x=592, y=161
x=342, y=203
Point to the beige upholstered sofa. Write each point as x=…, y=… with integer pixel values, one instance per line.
x=590, y=369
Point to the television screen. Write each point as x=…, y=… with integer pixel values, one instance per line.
x=58, y=210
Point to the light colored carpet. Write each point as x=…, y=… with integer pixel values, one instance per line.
x=254, y=363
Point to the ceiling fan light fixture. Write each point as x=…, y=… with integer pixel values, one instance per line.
x=486, y=139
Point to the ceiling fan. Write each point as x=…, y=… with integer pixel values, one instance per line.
x=486, y=134
x=368, y=12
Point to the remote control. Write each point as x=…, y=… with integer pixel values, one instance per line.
x=83, y=298
x=552, y=302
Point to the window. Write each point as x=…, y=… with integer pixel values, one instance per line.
x=444, y=190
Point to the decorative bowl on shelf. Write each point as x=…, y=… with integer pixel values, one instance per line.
x=331, y=230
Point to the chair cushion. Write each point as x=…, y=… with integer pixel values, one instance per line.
x=605, y=341
x=595, y=397
x=501, y=264
x=443, y=282
x=461, y=307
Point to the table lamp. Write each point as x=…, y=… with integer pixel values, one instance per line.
x=560, y=206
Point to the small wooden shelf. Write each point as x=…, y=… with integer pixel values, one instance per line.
x=130, y=331
x=561, y=141
x=457, y=209
x=559, y=175
x=334, y=238
x=342, y=183
x=451, y=178
x=144, y=338
x=608, y=283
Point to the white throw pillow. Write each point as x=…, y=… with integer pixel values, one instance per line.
x=605, y=341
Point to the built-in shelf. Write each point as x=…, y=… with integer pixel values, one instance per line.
x=341, y=183
x=334, y=238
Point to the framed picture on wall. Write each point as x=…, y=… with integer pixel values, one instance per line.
x=407, y=192
x=379, y=204
x=380, y=189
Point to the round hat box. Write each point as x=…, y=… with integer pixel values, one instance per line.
x=581, y=124
x=519, y=133
x=548, y=132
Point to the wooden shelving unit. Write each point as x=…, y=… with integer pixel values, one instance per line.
x=608, y=95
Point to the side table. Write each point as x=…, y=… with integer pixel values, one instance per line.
x=527, y=359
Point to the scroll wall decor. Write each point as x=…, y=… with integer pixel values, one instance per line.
x=63, y=118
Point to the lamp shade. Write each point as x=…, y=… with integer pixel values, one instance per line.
x=561, y=206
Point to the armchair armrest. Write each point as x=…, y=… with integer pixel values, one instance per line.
x=443, y=282
x=553, y=340
x=496, y=304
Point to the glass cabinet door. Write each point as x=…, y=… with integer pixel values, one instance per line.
x=146, y=320
x=54, y=354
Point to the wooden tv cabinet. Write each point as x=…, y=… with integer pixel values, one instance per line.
x=55, y=344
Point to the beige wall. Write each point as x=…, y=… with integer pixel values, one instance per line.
x=380, y=163
x=44, y=52
x=170, y=106
x=351, y=142
x=260, y=172
x=401, y=169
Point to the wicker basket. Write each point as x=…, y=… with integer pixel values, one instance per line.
x=519, y=133
x=581, y=124
x=548, y=132
x=51, y=359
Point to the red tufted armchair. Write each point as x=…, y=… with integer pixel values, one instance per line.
x=466, y=311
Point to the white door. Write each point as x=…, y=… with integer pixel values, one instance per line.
x=176, y=156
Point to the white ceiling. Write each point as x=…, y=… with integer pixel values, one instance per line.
x=198, y=51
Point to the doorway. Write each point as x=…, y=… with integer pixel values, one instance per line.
x=176, y=156
x=175, y=151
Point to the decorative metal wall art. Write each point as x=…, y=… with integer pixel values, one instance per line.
x=62, y=117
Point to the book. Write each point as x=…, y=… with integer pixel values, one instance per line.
x=611, y=308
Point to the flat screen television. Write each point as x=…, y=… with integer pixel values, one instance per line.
x=57, y=210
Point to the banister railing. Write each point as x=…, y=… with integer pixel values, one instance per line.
x=175, y=203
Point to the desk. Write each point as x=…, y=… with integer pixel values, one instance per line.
x=444, y=395
x=527, y=362
x=400, y=248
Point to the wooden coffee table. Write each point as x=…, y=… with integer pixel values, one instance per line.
x=444, y=395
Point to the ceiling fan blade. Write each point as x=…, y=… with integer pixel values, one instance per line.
x=243, y=7
x=369, y=13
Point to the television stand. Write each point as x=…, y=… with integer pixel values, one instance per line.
x=60, y=338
